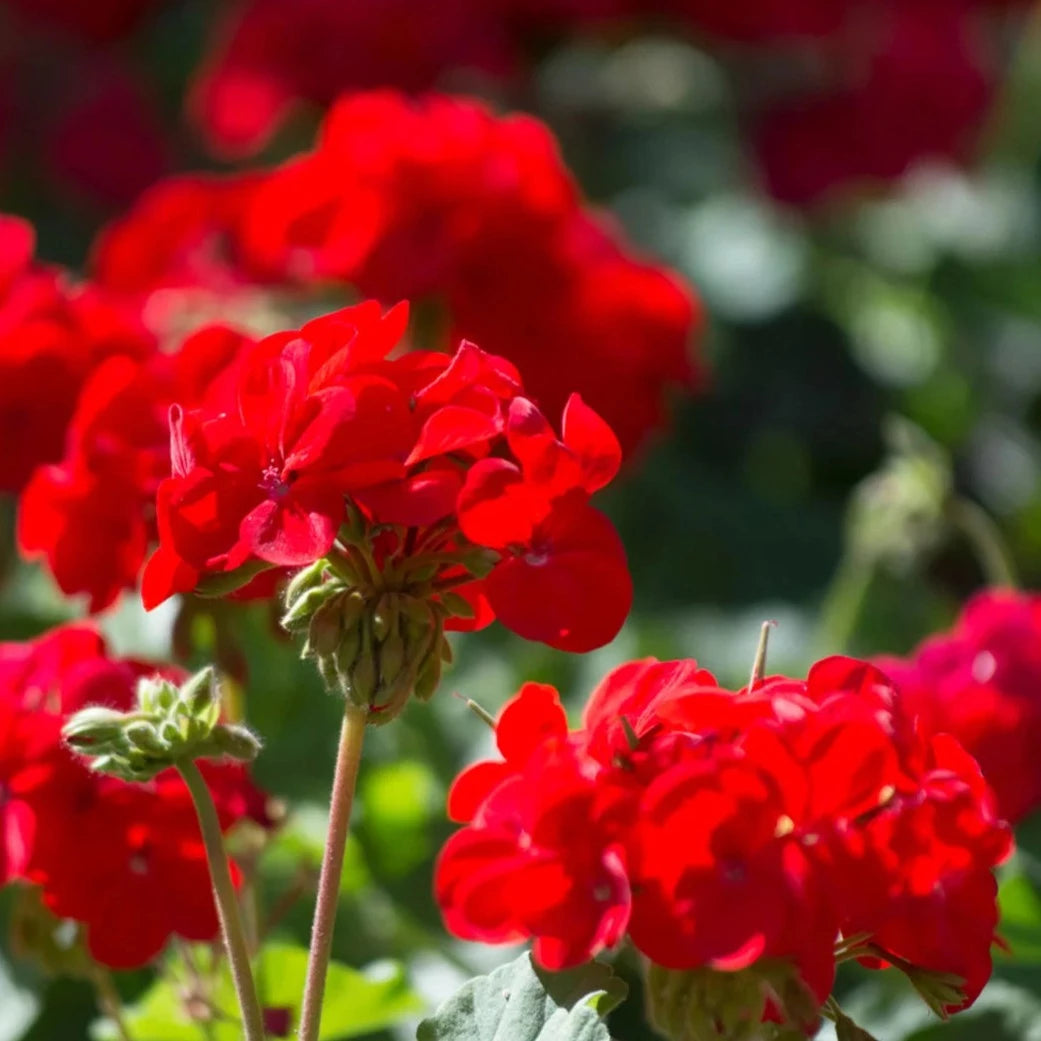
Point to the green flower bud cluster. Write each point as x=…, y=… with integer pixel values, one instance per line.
x=898, y=513
x=708, y=1005
x=376, y=646
x=169, y=724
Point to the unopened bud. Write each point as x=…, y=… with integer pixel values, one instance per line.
x=429, y=677
x=384, y=617
x=142, y=736
x=326, y=627
x=156, y=694
x=199, y=693
x=237, y=742
x=303, y=607
x=444, y=650
x=302, y=581
x=392, y=658
x=93, y=727
x=363, y=681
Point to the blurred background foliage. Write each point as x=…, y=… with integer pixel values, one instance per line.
x=923, y=302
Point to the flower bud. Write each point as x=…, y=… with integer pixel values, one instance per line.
x=384, y=617
x=156, y=694
x=237, y=742
x=301, y=609
x=93, y=728
x=302, y=581
x=392, y=657
x=429, y=677
x=169, y=726
x=199, y=694
x=363, y=674
x=326, y=627
x=142, y=736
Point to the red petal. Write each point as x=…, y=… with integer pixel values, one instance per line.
x=574, y=592
x=296, y=529
x=496, y=507
x=472, y=787
x=533, y=716
x=593, y=442
x=452, y=428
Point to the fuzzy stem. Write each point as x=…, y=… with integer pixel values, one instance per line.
x=984, y=536
x=348, y=758
x=843, y=603
x=227, y=902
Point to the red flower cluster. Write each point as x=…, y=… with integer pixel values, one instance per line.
x=91, y=515
x=52, y=336
x=81, y=113
x=891, y=82
x=905, y=82
x=435, y=198
x=722, y=828
x=126, y=861
x=445, y=445
x=981, y=682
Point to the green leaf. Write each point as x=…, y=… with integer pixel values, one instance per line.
x=1020, y=923
x=593, y=984
x=356, y=1003
x=512, y=1004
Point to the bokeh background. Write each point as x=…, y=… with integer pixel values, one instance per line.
x=859, y=208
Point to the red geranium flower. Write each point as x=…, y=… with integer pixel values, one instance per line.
x=981, y=682
x=127, y=861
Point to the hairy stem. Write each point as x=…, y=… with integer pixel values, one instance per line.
x=843, y=603
x=227, y=902
x=348, y=757
x=984, y=536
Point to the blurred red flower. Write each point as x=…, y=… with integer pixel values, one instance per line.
x=981, y=682
x=124, y=860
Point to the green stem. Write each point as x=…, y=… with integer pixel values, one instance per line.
x=348, y=758
x=985, y=537
x=843, y=603
x=227, y=902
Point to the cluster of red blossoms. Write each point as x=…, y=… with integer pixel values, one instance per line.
x=125, y=860
x=723, y=830
x=981, y=682
x=889, y=82
x=53, y=335
x=75, y=105
x=439, y=200
x=91, y=515
x=444, y=446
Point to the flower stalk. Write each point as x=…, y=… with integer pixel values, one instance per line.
x=348, y=758
x=227, y=902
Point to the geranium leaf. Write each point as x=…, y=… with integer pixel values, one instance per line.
x=513, y=1004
